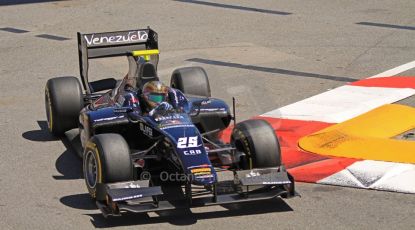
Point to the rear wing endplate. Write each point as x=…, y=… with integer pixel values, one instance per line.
x=112, y=44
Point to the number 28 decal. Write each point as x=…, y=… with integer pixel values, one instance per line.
x=187, y=142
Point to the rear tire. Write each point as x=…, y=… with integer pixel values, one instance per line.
x=257, y=139
x=191, y=80
x=63, y=102
x=106, y=159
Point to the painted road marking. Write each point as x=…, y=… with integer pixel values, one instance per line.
x=396, y=70
x=14, y=30
x=52, y=37
x=386, y=25
x=378, y=175
x=340, y=104
x=369, y=136
x=387, y=82
x=235, y=7
x=313, y=114
x=270, y=70
x=351, y=172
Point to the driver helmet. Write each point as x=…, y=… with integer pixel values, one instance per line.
x=154, y=93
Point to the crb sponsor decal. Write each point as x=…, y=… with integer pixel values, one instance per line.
x=122, y=37
x=171, y=117
x=192, y=152
x=146, y=130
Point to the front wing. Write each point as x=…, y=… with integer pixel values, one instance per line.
x=232, y=187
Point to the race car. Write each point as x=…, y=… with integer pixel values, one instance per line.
x=143, y=158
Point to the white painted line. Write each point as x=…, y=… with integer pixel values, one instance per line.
x=340, y=104
x=344, y=102
x=396, y=70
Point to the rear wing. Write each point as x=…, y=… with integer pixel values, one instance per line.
x=112, y=44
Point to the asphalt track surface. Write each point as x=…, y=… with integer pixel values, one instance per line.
x=265, y=53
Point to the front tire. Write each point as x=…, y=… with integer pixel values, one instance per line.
x=63, y=101
x=257, y=139
x=191, y=80
x=106, y=159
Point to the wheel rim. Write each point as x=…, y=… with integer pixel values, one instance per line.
x=48, y=106
x=91, y=172
x=238, y=143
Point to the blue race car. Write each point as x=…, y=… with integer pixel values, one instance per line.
x=149, y=147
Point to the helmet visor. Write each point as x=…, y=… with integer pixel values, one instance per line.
x=156, y=97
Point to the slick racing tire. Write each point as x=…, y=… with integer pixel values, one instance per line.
x=257, y=139
x=63, y=101
x=191, y=80
x=106, y=159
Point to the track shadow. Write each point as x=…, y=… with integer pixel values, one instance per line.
x=79, y=201
x=41, y=135
x=185, y=217
x=69, y=165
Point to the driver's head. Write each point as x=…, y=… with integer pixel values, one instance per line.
x=154, y=93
